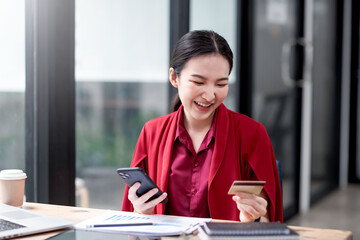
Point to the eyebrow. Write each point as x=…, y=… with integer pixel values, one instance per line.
x=202, y=77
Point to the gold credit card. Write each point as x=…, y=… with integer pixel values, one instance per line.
x=254, y=187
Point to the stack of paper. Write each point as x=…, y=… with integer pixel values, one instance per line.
x=140, y=224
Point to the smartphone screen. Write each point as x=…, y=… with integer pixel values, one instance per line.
x=136, y=174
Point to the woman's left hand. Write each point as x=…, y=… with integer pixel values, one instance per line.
x=251, y=206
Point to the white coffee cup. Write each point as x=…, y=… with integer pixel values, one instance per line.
x=12, y=186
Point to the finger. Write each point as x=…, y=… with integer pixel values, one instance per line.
x=147, y=207
x=140, y=204
x=244, y=217
x=245, y=195
x=260, y=199
x=250, y=208
x=252, y=199
x=254, y=209
x=135, y=187
x=146, y=196
x=132, y=191
x=245, y=198
x=158, y=200
x=249, y=196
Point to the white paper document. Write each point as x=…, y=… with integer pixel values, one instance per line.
x=162, y=225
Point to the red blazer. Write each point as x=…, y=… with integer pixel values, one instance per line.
x=240, y=144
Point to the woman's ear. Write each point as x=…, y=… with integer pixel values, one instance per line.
x=173, y=77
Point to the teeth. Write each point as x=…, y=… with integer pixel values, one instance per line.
x=203, y=105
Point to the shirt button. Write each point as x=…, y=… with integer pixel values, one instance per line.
x=196, y=163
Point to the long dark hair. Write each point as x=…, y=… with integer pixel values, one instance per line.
x=197, y=43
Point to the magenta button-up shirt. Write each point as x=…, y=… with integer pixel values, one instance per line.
x=189, y=172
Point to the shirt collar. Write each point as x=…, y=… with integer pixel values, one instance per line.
x=181, y=131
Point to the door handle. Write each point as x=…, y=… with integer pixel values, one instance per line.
x=307, y=65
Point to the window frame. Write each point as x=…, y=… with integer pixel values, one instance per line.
x=50, y=101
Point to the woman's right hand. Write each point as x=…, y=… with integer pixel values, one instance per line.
x=140, y=204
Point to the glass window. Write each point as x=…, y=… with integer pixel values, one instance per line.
x=12, y=84
x=219, y=16
x=122, y=61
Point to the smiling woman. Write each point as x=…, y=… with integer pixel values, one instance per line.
x=195, y=153
x=202, y=87
x=207, y=74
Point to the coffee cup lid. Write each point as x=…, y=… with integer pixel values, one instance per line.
x=12, y=174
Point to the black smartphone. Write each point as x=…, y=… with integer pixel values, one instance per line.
x=136, y=174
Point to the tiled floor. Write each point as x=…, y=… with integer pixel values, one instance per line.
x=339, y=210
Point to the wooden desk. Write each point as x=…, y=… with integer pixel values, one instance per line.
x=76, y=215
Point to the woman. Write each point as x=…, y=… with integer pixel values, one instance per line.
x=195, y=153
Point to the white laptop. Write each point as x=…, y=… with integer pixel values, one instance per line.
x=16, y=222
